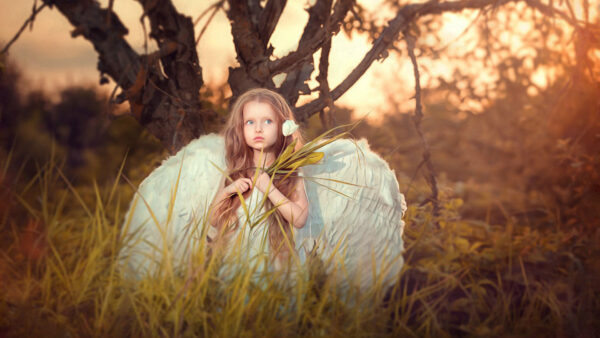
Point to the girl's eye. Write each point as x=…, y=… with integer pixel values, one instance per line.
x=249, y=122
x=269, y=121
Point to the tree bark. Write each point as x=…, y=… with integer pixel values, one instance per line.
x=162, y=88
x=165, y=103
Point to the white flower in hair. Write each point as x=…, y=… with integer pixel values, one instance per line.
x=289, y=127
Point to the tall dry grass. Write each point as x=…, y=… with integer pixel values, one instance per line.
x=60, y=276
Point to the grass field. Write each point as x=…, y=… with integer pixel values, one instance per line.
x=59, y=276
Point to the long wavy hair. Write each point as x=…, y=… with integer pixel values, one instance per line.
x=240, y=163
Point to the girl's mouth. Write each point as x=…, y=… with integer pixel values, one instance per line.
x=259, y=138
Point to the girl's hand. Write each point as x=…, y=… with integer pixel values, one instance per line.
x=262, y=182
x=241, y=184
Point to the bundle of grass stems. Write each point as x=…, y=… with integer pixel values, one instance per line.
x=60, y=276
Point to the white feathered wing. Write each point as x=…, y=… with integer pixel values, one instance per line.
x=170, y=204
x=362, y=225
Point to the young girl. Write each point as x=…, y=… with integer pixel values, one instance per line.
x=346, y=209
x=254, y=139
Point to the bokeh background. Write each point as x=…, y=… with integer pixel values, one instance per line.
x=511, y=116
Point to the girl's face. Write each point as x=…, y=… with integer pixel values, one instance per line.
x=260, y=125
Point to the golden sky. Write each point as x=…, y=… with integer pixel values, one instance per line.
x=52, y=59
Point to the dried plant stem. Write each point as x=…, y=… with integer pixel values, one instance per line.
x=29, y=20
x=417, y=118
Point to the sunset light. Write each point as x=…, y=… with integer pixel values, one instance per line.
x=300, y=168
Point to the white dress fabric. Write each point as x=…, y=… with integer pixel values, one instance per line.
x=250, y=237
x=357, y=227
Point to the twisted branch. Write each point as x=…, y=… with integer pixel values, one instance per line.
x=295, y=81
x=312, y=44
x=31, y=18
x=418, y=116
x=405, y=16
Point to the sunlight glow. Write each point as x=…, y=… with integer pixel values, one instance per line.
x=52, y=59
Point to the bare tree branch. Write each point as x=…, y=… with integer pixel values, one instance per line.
x=168, y=107
x=290, y=61
x=252, y=27
x=29, y=20
x=215, y=7
x=251, y=52
x=549, y=10
x=380, y=45
x=295, y=81
x=162, y=88
x=405, y=15
x=248, y=44
x=115, y=54
x=417, y=118
x=110, y=9
x=324, y=92
x=269, y=19
x=174, y=31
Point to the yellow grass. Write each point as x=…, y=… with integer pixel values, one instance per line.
x=466, y=278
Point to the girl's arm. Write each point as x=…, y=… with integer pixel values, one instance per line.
x=295, y=209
